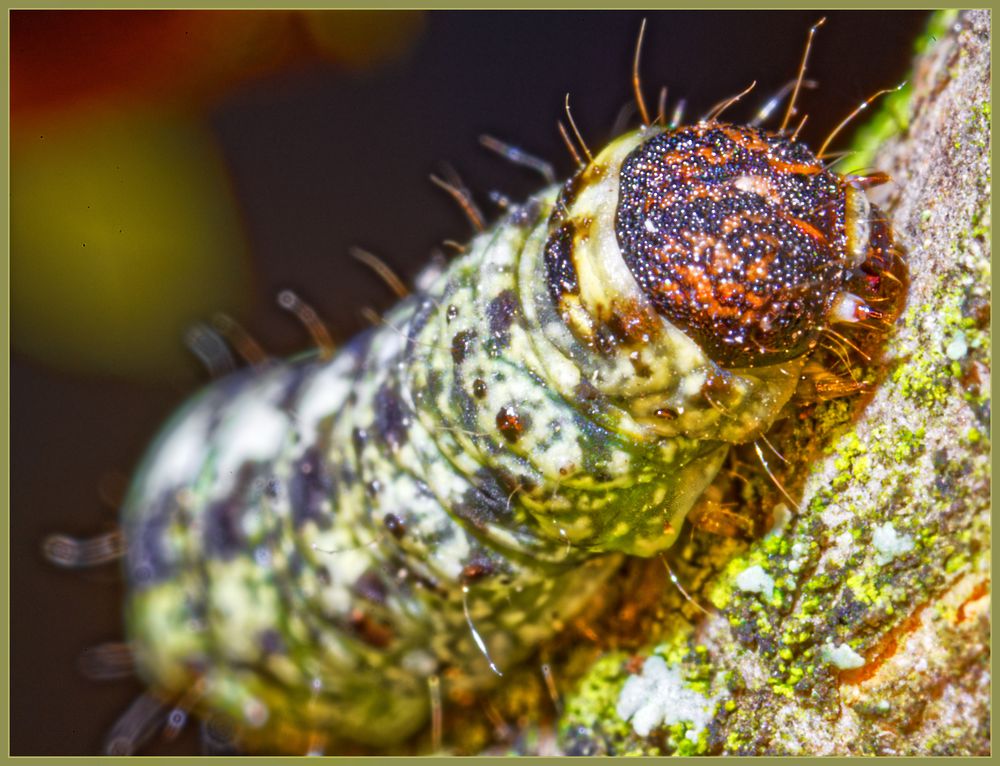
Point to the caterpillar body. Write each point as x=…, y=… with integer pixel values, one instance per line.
x=312, y=545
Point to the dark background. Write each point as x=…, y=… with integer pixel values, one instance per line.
x=322, y=160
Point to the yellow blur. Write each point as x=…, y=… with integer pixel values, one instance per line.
x=124, y=231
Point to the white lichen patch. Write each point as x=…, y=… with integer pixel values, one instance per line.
x=799, y=552
x=843, y=547
x=842, y=656
x=835, y=515
x=958, y=347
x=889, y=543
x=659, y=697
x=755, y=579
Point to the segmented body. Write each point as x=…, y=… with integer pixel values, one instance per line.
x=310, y=544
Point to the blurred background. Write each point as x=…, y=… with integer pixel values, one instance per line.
x=169, y=165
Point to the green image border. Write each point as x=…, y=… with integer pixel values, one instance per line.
x=5, y=44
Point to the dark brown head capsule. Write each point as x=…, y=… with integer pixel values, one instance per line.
x=740, y=238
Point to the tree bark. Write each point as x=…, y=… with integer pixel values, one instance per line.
x=860, y=624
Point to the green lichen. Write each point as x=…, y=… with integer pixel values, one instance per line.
x=591, y=711
x=591, y=724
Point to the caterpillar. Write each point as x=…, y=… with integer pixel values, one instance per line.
x=503, y=449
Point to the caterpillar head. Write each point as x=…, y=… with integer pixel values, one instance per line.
x=724, y=250
x=742, y=239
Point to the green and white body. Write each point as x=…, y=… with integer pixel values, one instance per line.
x=311, y=544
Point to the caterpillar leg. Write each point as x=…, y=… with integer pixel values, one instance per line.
x=136, y=726
x=713, y=518
x=107, y=662
x=72, y=553
x=818, y=383
x=211, y=350
x=218, y=736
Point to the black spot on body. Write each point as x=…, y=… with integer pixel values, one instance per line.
x=270, y=642
x=441, y=533
x=223, y=536
x=590, y=400
x=486, y=501
x=501, y=312
x=359, y=437
x=512, y=423
x=494, y=348
x=567, y=195
x=422, y=314
x=468, y=409
x=309, y=488
x=395, y=525
x=294, y=377
x=323, y=575
x=272, y=487
x=370, y=630
x=371, y=586
x=295, y=564
x=526, y=215
x=477, y=569
x=641, y=368
x=560, y=271
x=392, y=421
x=147, y=557
x=460, y=345
x=435, y=384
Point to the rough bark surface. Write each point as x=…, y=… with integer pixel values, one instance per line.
x=860, y=624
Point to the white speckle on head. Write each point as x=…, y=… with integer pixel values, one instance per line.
x=889, y=543
x=659, y=697
x=755, y=580
x=842, y=656
x=758, y=185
